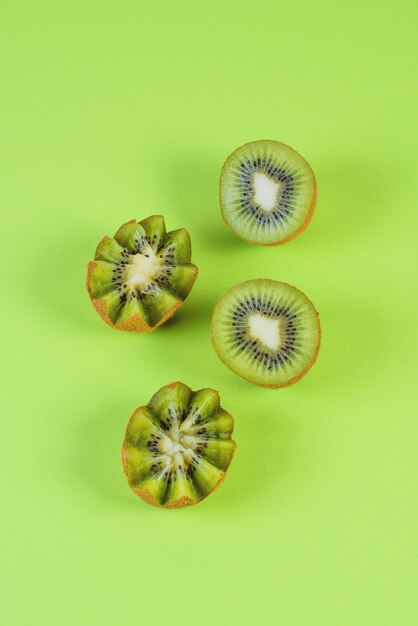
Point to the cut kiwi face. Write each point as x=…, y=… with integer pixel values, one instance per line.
x=266, y=331
x=141, y=276
x=267, y=192
x=177, y=449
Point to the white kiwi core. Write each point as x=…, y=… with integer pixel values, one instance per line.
x=178, y=446
x=142, y=269
x=265, y=329
x=266, y=191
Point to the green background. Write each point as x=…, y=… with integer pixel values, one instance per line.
x=118, y=110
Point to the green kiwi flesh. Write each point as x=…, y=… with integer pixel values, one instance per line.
x=266, y=331
x=177, y=449
x=139, y=278
x=267, y=192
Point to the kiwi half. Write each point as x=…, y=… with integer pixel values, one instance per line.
x=177, y=449
x=141, y=277
x=267, y=192
x=266, y=331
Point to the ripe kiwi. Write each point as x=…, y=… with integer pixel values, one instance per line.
x=266, y=331
x=141, y=277
x=177, y=449
x=267, y=192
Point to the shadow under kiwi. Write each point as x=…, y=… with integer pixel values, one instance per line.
x=262, y=464
x=353, y=349
x=55, y=282
x=196, y=313
x=97, y=459
x=351, y=195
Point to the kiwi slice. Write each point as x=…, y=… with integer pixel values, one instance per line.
x=267, y=192
x=141, y=277
x=177, y=449
x=267, y=332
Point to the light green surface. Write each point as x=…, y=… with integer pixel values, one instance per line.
x=118, y=110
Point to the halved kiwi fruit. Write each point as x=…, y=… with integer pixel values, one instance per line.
x=267, y=192
x=266, y=331
x=141, y=277
x=177, y=449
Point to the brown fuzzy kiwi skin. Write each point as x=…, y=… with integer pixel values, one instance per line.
x=145, y=495
x=292, y=381
x=298, y=230
x=135, y=323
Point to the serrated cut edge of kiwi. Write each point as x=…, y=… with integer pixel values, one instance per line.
x=144, y=493
x=136, y=323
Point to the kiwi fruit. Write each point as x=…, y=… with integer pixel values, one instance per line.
x=141, y=277
x=267, y=192
x=178, y=447
x=266, y=331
